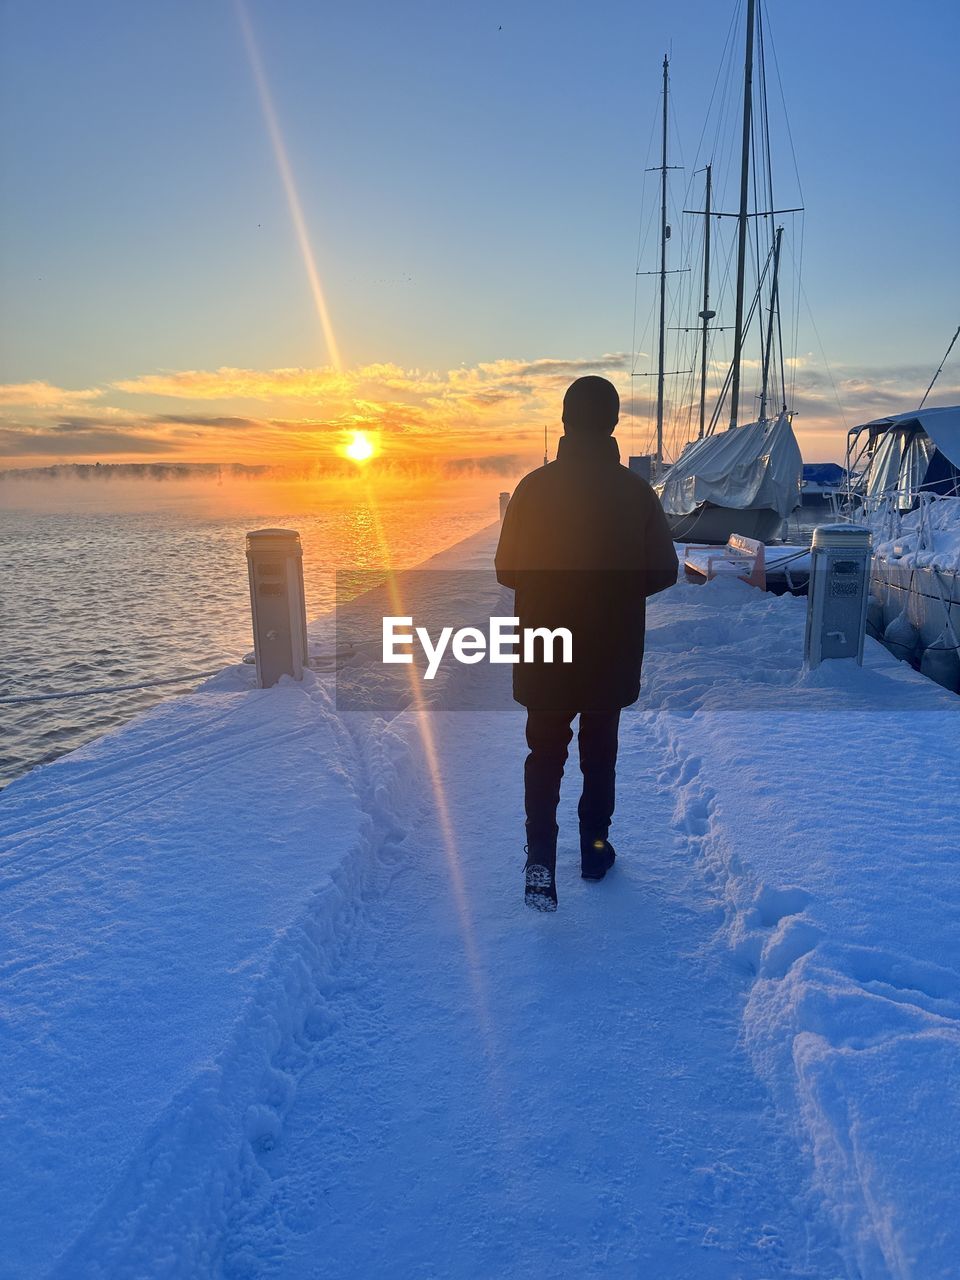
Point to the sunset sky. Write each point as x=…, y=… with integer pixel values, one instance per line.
x=237, y=234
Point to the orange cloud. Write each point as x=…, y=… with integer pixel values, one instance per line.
x=426, y=417
x=238, y=384
x=41, y=395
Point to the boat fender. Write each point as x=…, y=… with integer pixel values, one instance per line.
x=902, y=638
x=875, y=617
x=941, y=662
x=893, y=603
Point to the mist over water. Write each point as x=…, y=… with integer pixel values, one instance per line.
x=114, y=581
x=308, y=485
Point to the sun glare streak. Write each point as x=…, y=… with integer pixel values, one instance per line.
x=289, y=186
x=448, y=834
x=499, y=1097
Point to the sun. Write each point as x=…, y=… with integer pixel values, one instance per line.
x=360, y=448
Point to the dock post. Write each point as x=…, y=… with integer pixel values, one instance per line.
x=277, y=603
x=504, y=503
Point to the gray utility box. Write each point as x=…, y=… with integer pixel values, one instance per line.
x=837, y=594
x=275, y=565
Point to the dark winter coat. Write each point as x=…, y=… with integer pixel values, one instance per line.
x=584, y=542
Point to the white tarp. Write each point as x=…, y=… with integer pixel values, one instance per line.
x=942, y=425
x=758, y=465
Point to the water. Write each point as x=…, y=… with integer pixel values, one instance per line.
x=91, y=598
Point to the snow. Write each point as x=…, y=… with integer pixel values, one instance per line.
x=152, y=883
x=928, y=537
x=273, y=1006
x=697, y=558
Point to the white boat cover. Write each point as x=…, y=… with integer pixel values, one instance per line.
x=942, y=425
x=758, y=465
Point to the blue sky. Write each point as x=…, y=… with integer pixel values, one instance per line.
x=471, y=177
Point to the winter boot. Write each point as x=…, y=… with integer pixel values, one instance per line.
x=597, y=856
x=540, y=873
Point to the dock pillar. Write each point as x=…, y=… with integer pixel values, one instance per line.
x=275, y=567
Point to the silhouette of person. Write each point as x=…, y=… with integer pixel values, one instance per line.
x=584, y=542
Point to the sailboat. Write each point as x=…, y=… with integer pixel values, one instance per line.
x=747, y=478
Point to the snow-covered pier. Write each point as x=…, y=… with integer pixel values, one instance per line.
x=272, y=1005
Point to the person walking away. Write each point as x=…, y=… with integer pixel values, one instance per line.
x=584, y=543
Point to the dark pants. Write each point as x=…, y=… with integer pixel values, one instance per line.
x=548, y=736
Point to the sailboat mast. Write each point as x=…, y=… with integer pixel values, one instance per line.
x=664, y=233
x=768, y=344
x=742, y=217
x=706, y=315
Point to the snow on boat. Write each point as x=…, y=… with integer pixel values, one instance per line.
x=742, y=481
x=908, y=491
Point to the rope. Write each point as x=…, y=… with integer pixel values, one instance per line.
x=939, y=371
x=750, y=314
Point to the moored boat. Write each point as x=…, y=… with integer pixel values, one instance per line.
x=746, y=479
x=822, y=485
x=905, y=484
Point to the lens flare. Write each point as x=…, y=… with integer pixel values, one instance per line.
x=289, y=186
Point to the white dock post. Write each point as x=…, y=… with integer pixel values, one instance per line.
x=275, y=567
x=504, y=502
